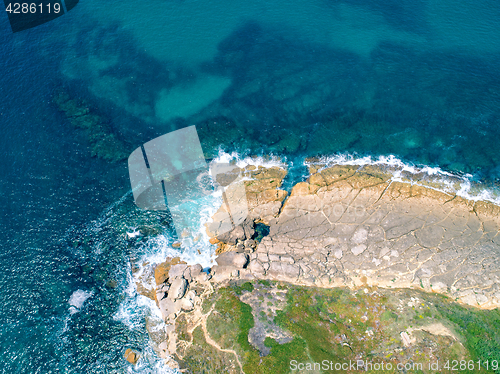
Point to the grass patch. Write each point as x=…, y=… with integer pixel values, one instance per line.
x=480, y=328
x=264, y=282
x=230, y=327
x=247, y=286
x=202, y=358
x=338, y=326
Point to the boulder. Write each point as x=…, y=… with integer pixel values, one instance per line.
x=256, y=267
x=232, y=259
x=248, y=227
x=233, y=236
x=177, y=289
x=188, y=301
x=168, y=307
x=131, y=356
x=160, y=295
x=163, y=349
x=222, y=273
x=250, y=243
x=176, y=271
x=163, y=287
x=195, y=271
x=162, y=270
x=203, y=277
x=172, y=364
x=187, y=275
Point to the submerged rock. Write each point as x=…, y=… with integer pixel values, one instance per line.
x=104, y=142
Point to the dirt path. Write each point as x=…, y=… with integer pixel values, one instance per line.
x=198, y=318
x=212, y=342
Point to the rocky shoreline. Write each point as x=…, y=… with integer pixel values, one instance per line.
x=346, y=226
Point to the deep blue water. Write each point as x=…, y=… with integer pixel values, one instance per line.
x=416, y=79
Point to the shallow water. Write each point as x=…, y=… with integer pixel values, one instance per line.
x=419, y=80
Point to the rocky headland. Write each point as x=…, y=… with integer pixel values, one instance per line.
x=345, y=227
x=353, y=226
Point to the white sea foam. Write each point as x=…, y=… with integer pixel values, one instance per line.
x=131, y=312
x=127, y=312
x=77, y=299
x=150, y=363
x=195, y=247
x=133, y=234
x=460, y=185
x=241, y=162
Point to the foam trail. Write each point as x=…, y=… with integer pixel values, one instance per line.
x=77, y=299
x=132, y=312
x=241, y=162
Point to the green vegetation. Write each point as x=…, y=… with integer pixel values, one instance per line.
x=202, y=358
x=480, y=328
x=339, y=325
x=320, y=317
x=181, y=328
x=264, y=282
x=230, y=327
x=247, y=286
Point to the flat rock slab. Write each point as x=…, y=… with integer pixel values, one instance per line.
x=351, y=227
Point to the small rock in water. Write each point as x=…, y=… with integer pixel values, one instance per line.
x=176, y=244
x=111, y=283
x=131, y=356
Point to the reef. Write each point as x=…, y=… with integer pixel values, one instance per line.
x=104, y=143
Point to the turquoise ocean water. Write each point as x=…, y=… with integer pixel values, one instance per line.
x=418, y=80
